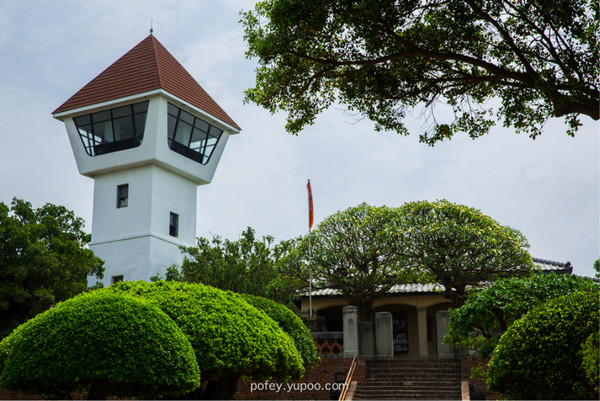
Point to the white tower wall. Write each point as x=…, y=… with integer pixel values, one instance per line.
x=134, y=241
x=162, y=169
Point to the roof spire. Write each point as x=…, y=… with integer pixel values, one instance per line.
x=151, y=30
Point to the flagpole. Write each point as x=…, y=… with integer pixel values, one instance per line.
x=310, y=223
x=310, y=308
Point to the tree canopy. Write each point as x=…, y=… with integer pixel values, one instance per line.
x=44, y=259
x=539, y=356
x=458, y=247
x=381, y=59
x=355, y=252
x=486, y=315
x=248, y=265
x=230, y=337
x=102, y=343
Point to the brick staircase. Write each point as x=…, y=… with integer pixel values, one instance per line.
x=410, y=379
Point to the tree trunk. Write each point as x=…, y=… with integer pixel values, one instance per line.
x=365, y=309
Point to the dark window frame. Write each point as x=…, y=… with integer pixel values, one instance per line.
x=95, y=142
x=210, y=132
x=400, y=332
x=174, y=225
x=122, y=196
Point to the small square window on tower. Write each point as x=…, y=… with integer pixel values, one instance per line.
x=122, y=195
x=174, y=225
x=116, y=279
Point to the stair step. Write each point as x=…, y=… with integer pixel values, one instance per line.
x=412, y=379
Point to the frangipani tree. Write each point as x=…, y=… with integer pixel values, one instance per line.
x=458, y=246
x=356, y=252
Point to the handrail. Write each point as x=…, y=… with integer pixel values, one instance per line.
x=348, y=379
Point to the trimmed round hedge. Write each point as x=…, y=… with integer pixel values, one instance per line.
x=486, y=315
x=229, y=336
x=291, y=324
x=125, y=346
x=539, y=356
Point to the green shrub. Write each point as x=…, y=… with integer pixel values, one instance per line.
x=539, y=355
x=229, y=336
x=101, y=342
x=291, y=324
x=590, y=354
x=486, y=315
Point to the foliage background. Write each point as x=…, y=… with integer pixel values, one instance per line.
x=44, y=259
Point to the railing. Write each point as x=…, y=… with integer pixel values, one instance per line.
x=348, y=379
x=329, y=343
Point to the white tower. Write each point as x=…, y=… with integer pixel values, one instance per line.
x=148, y=134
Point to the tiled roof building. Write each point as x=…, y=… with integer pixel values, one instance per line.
x=145, y=68
x=149, y=135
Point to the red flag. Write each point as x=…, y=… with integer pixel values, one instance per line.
x=311, y=216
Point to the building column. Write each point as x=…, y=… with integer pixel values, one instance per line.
x=422, y=331
x=442, y=319
x=384, y=335
x=350, y=331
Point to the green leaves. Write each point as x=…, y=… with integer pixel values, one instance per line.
x=355, y=251
x=590, y=355
x=364, y=250
x=382, y=58
x=248, y=265
x=228, y=335
x=539, y=356
x=486, y=315
x=44, y=259
x=291, y=324
x=458, y=247
x=128, y=343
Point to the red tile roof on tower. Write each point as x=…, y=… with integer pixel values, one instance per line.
x=146, y=67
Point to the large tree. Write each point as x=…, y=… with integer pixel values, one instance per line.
x=458, y=246
x=355, y=252
x=44, y=259
x=538, y=58
x=248, y=265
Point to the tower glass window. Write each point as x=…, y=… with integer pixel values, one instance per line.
x=191, y=136
x=112, y=130
x=174, y=225
x=122, y=195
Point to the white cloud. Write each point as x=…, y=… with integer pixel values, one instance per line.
x=548, y=188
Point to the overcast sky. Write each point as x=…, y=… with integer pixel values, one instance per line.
x=547, y=188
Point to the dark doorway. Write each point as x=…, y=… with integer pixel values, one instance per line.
x=400, y=332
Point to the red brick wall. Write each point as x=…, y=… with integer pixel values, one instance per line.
x=476, y=385
x=313, y=386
